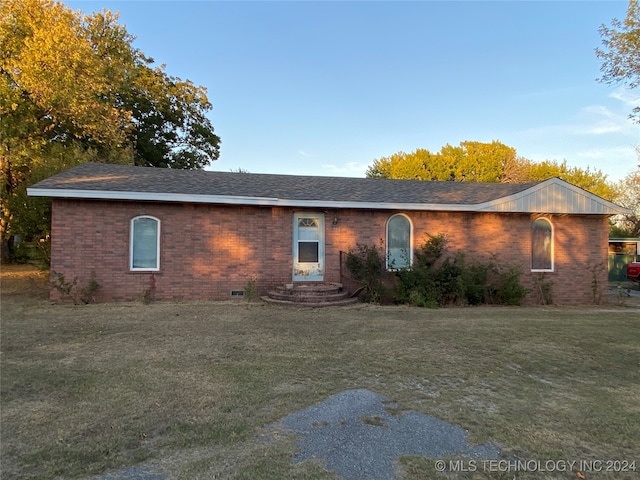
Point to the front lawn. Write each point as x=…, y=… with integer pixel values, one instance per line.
x=190, y=386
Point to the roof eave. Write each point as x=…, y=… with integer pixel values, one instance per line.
x=238, y=200
x=609, y=208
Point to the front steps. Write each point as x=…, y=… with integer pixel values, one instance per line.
x=310, y=294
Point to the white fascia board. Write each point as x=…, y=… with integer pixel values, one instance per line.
x=146, y=196
x=238, y=200
x=279, y=202
x=378, y=205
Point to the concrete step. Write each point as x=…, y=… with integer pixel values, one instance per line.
x=289, y=303
x=311, y=288
x=306, y=297
x=310, y=294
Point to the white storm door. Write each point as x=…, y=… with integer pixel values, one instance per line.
x=308, y=247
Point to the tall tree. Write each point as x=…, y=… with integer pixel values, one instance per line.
x=593, y=181
x=471, y=161
x=170, y=128
x=621, y=53
x=74, y=89
x=484, y=162
x=628, y=195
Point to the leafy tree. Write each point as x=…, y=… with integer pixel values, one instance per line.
x=628, y=195
x=471, y=161
x=593, y=181
x=169, y=127
x=484, y=162
x=479, y=162
x=73, y=89
x=621, y=54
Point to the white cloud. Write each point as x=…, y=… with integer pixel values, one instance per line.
x=349, y=169
x=590, y=120
x=601, y=120
x=616, y=162
x=599, y=127
x=607, y=153
x=626, y=96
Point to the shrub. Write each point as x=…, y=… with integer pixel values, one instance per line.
x=509, y=290
x=366, y=264
x=419, y=284
x=475, y=282
x=71, y=290
x=251, y=289
x=432, y=281
x=431, y=251
x=544, y=289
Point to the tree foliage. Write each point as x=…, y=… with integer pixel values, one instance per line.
x=74, y=89
x=621, y=53
x=471, y=161
x=628, y=195
x=593, y=181
x=484, y=162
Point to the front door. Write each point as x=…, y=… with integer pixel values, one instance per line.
x=308, y=247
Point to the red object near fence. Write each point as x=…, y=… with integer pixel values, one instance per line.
x=633, y=271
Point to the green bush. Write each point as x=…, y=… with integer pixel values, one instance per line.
x=419, y=285
x=434, y=281
x=367, y=265
x=509, y=290
x=475, y=283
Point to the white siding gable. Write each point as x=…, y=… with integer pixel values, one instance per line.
x=553, y=196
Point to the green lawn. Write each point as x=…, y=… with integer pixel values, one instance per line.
x=189, y=387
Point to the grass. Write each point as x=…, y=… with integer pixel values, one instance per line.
x=189, y=387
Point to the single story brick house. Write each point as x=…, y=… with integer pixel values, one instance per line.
x=200, y=235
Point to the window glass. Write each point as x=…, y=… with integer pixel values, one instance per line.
x=144, y=243
x=623, y=248
x=308, y=252
x=541, y=245
x=398, y=242
x=308, y=238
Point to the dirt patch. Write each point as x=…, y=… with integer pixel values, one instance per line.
x=20, y=279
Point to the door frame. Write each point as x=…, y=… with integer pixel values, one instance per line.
x=308, y=271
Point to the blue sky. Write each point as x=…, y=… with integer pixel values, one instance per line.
x=325, y=88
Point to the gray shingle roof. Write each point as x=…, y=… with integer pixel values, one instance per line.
x=92, y=177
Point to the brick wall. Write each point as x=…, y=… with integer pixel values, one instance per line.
x=208, y=250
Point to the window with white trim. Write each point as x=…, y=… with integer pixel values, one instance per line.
x=541, y=245
x=399, y=242
x=145, y=244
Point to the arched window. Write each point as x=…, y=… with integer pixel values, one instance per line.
x=399, y=251
x=542, y=245
x=145, y=243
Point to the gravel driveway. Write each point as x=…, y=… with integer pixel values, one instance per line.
x=357, y=434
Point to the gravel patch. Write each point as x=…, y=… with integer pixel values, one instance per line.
x=139, y=472
x=359, y=435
